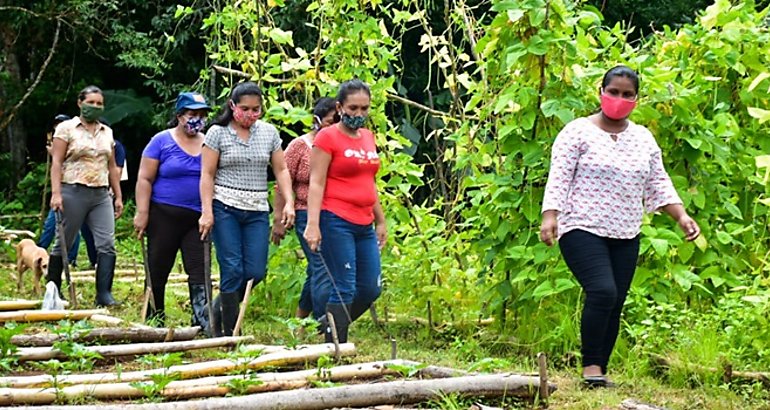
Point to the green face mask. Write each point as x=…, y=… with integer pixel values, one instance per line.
x=91, y=113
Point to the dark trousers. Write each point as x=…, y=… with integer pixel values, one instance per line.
x=171, y=229
x=604, y=267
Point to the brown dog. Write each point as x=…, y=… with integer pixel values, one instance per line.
x=30, y=256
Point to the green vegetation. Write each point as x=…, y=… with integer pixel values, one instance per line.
x=464, y=171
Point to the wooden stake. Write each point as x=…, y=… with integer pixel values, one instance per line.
x=48, y=315
x=359, y=395
x=46, y=353
x=187, y=371
x=108, y=334
x=543, y=373
x=244, y=305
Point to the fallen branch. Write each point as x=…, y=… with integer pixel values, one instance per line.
x=396, y=392
x=663, y=361
x=110, y=335
x=48, y=315
x=187, y=371
x=47, y=353
x=197, y=388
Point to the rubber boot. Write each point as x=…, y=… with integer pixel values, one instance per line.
x=156, y=318
x=341, y=322
x=230, y=309
x=215, y=326
x=55, y=268
x=200, y=314
x=105, y=272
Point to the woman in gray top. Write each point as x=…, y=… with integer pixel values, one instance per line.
x=234, y=206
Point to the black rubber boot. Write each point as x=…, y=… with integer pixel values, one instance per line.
x=156, y=318
x=341, y=322
x=230, y=308
x=55, y=268
x=105, y=272
x=200, y=314
x=215, y=325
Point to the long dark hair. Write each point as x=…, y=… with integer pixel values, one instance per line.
x=621, y=71
x=91, y=89
x=322, y=107
x=245, y=88
x=351, y=87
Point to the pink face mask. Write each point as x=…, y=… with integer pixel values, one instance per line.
x=616, y=108
x=245, y=118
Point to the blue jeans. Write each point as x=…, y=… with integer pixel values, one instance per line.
x=315, y=291
x=353, y=258
x=241, y=240
x=48, y=233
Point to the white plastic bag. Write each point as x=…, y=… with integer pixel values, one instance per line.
x=51, y=300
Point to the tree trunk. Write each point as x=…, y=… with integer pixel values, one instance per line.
x=111, y=335
x=13, y=137
x=360, y=395
x=187, y=371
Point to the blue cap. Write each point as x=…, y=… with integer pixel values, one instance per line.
x=191, y=101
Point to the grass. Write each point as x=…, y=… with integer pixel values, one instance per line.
x=481, y=349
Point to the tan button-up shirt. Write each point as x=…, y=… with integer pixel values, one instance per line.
x=88, y=155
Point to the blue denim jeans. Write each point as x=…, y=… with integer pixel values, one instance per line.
x=48, y=233
x=353, y=258
x=241, y=241
x=315, y=291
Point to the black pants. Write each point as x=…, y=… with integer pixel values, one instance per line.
x=604, y=267
x=170, y=229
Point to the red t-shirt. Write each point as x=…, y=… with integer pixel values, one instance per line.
x=350, y=189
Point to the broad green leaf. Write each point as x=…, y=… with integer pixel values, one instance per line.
x=760, y=114
x=660, y=246
x=758, y=80
x=733, y=210
x=685, y=251
x=724, y=238
x=701, y=242
x=762, y=161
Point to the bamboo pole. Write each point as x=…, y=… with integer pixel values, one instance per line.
x=108, y=334
x=361, y=395
x=48, y=315
x=47, y=353
x=116, y=321
x=197, y=388
x=187, y=371
x=22, y=304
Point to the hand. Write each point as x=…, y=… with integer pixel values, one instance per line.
x=549, y=228
x=205, y=222
x=689, y=227
x=140, y=223
x=56, y=202
x=287, y=219
x=312, y=236
x=382, y=235
x=278, y=232
x=118, y=207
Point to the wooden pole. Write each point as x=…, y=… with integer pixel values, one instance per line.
x=204, y=387
x=360, y=395
x=48, y=315
x=187, y=371
x=543, y=374
x=244, y=305
x=108, y=334
x=47, y=353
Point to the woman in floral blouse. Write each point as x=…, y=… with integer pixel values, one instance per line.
x=315, y=290
x=605, y=172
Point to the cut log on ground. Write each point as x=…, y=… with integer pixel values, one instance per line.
x=116, y=321
x=186, y=371
x=197, y=388
x=27, y=354
x=361, y=395
x=48, y=315
x=110, y=335
x=630, y=404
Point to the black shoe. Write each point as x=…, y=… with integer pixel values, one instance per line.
x=341, y=322
x=594, y=382
x=105, y=272
x=230, y=309
x=200, y=314
x=55, y=268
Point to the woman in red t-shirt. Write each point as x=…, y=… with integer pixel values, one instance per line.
x=342, y=204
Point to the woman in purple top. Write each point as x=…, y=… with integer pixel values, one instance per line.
x=168, y=205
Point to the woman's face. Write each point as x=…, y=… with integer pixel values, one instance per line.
x=356, y=104
x=250, y=103
x=190, y=114
x=95, y=99
x=621, y=87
